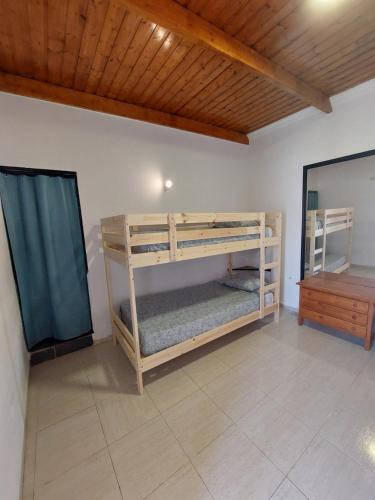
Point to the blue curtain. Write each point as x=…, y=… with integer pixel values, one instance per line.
x=43, y=222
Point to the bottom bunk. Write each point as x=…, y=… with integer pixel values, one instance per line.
x=333, y=264
x=172, y=317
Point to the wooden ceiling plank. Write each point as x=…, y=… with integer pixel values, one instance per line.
x=342, y=59
x=54, y=93
x=239, y=80
x=168, y=85
x=18, y=36
x=137, y=44
x=57, y=11
x=159, y=62
x=7, y=61
x=355, y=79
x=197, y=5
x=214, y=88
x=163, y=74
x=112, y=25
x=125, y=35
x=283, y=114
x=149, y=52
x=96, y=13
x=37, y=10
x=216, y=105
x=315, y=42
x=242, y=109
x=334, y=79
x=268, y=113
x=187, y=78
x=75, y=23
x=213, y=69
x=247, y=88
x=242, y=17
x=180, y=20
x=269, y=107
x=265, y=19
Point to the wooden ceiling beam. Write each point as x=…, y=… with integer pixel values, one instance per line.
x=61, y=95
x=174, y=17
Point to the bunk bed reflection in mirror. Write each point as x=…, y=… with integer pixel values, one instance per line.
x=157, y=328
x=319, y=225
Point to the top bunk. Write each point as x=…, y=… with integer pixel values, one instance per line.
x=326, y=221
x=141, y=240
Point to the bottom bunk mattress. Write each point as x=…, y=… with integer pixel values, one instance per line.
x=169, y=318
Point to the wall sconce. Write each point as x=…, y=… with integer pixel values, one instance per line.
x=168, y=184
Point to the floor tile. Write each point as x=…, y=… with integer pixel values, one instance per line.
x=63, y=398
x=67, y=443
x=234, y=394
x=170, y=388
x=196, y=421
x=203, y=369
x=353, y=431
x=277, y=433
x=325, y=473
x=146, y=458
x=185, y=484
x=313, y=395
x=287, y=491
x=92, y=479
x=233, y=468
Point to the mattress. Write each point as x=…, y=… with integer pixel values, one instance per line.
x=157, y=247
x=168, y=318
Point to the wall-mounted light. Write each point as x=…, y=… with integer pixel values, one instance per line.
x=168, y=184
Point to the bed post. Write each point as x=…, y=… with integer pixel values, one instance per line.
x=324, y=246
x=277, y=277
x=133, y=306
x=108, y=276
x=312, y=241
x=229, y=263
x=349, y=220
x=262, y=262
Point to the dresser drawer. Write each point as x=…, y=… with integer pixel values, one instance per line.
x=334, y=300
x=339, y=324
x=336, y=312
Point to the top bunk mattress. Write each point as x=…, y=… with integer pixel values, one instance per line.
x=157, y=247
x=168, y=318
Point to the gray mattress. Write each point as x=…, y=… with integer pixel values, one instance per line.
x=156, y=247
x=168, y=318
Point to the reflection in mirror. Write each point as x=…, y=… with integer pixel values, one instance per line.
x=340, y=222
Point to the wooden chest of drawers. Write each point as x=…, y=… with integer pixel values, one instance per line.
x=340, y=301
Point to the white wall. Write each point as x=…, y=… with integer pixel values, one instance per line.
x=13, y=378
x=121, y=165
x=280, y=151
x=351, y=184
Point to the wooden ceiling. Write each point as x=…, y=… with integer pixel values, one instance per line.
x=217, y=67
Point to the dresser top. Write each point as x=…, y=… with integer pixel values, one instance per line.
x=343, y=284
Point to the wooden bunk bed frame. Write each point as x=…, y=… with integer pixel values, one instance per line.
x=333, y=219
x=121, y=233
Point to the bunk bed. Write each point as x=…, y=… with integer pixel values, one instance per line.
x=319, y=225
x=157, y=328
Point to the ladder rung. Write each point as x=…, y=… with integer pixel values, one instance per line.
x=318, y=251
x=271, y=265
x=270, y=287
x=316, y=268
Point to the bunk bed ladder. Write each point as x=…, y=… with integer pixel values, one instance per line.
x=133, y=306
x=324, y=245
x=262, y=263
x=312, y=220
x=277, y=269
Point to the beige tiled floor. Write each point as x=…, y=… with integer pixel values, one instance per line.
x=271, y=411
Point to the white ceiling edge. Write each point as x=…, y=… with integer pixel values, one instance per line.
x=359, y=91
